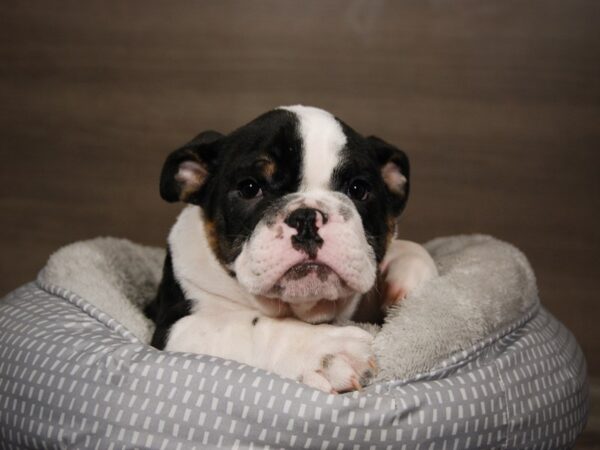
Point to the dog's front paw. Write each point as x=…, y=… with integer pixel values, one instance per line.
x=405, y=267
x=337, y=359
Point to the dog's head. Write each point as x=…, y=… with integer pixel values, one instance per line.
x=297, y=206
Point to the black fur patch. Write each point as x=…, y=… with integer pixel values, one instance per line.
x=240, y=156
x=168, y=307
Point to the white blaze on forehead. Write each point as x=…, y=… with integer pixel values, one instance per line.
x=322, y=140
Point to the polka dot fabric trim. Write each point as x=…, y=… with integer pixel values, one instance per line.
x=71, y=377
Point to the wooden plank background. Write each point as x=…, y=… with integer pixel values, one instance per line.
x=496, y=102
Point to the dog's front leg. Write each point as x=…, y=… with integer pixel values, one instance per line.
x=326, y=357
x=405, y=267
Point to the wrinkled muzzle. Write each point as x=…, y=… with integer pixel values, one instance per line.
x=312, y=247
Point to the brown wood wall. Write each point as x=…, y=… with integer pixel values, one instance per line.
x=496, y=102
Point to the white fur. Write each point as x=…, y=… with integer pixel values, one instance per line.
x=289, y=347
x=196, y=268
x=322, y=140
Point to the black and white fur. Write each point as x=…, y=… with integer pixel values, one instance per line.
x=289, y=227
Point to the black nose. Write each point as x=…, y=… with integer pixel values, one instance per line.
x=304, y=220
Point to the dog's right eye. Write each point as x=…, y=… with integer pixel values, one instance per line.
x=359, y=189
x=249, y=188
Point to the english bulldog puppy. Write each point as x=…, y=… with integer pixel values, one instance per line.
x=289, y=228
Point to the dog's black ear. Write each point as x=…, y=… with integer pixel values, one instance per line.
x=186, y=170
x=395, y=171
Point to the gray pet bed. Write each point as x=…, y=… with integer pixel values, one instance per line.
x=470, y=360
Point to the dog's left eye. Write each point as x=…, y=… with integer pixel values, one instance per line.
x=359, y=189
x=249, y=188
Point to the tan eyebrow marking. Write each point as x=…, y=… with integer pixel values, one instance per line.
x=267, y=166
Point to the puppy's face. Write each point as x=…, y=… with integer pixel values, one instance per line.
x=297, y=206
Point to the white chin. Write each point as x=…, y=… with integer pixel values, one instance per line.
x=322, y=310
x=305, y=284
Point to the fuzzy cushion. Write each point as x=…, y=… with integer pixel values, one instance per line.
x=483, y=287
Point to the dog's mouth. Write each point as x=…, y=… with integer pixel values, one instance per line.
x=309, y=282
x=299, y=271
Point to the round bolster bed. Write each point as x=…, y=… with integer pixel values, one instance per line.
x=470, y=360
